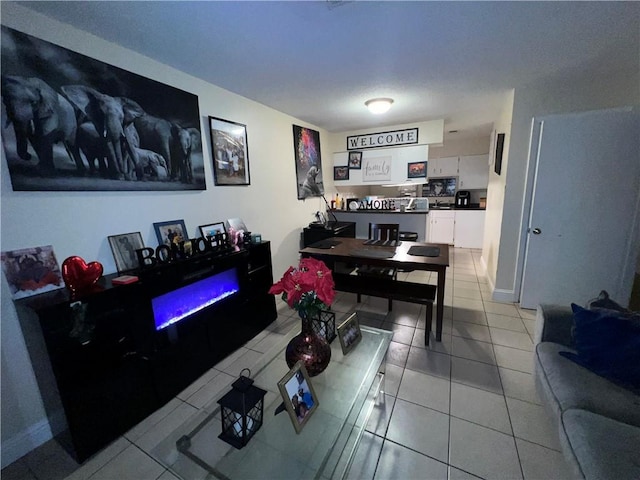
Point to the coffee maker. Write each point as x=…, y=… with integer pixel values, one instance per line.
x=463, y=199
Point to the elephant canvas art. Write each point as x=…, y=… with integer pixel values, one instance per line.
x=70, y=122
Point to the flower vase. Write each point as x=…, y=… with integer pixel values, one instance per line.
x=312, y=349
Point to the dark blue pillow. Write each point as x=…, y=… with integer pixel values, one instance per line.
x=608, y=343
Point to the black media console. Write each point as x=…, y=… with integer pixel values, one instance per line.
x=105, y=361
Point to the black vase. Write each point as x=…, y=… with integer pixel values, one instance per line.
x=312, y=349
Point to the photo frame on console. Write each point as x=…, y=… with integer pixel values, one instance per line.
x=211, y=229
x=124, y=248
x=173, y=231
x=300, y=399
x=31, y=271
x=349, y=333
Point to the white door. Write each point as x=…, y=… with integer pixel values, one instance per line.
x=581, y=235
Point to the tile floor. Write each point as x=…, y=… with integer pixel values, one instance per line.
x=463, y=408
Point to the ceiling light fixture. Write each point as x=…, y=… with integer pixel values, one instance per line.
x=379, y=105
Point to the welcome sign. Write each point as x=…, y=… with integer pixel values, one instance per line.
x=384, y=139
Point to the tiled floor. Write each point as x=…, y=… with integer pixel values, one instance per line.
x=463, y=408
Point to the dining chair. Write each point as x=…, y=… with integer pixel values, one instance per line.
x=381, y=234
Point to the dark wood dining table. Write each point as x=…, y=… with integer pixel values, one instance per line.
x=356, y=251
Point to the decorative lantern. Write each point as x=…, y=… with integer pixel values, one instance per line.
x=324, y=325
x=241, y=411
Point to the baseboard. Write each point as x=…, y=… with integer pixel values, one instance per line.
x=498, y=295
x=24, y=442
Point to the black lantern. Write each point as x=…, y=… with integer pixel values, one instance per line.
x=324, y=325
x=241, y=411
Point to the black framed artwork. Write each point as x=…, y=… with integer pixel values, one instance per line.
x=306, y=147
x=110, y=129
x=341, y=173
x=416, y=170
x=499, y=150
x=355, y=160
x=230, y=152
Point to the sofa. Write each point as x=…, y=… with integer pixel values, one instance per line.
x=598, y=419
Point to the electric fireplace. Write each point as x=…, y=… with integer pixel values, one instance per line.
x=183, y=302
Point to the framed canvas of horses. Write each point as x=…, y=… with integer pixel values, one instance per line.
x=71, y=122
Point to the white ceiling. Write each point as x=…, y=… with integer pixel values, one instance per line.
x=319, y=61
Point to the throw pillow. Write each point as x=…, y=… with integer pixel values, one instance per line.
x=604, y=301
x=607, y=342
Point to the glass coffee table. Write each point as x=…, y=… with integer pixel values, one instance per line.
x=346, y=393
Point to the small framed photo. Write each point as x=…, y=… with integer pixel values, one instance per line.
x=172, y=232
x=416, y=169
x=349, y=333
x=355, y=160
x=31, y=271
x=341, y=173
x=300, y=399
x=124, y=248
x=230, y=152
x=211, y=229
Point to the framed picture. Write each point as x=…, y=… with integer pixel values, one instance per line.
x=416, y=169
x=306, y=147
x=355, y=160
x=124, y=248
x=349, y=333
x=237, y=224
x=211, y=229
x=341, y=173
x=230, y=152
x=174, y=231
x=101, y=162
x=300, y=399
x=31, y=271
x=440, y=187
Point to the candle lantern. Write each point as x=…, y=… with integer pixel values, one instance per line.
x=241, y=411
x=324, y=325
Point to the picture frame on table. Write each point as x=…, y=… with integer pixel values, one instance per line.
x=417, y=170
x=171, y=232
x=230, y=149
x=341, y=173
x=31, y=271
x=349, y=333
x=211, y=229
x=123, y=247
x=355, y=160
x=300, y=399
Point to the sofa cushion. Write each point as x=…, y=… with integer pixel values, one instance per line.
x=607, y=342
x=567, y=385
x=604, y=448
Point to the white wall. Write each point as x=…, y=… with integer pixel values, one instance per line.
x=78, y=223
x=577, y=92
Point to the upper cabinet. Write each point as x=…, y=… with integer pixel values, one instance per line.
x=381, y=166
x=473, y=172
x=443, y=167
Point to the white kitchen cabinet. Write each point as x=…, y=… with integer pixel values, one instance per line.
x=441, y=226
x=442, y=167
x=469, y=228
x=473, y=172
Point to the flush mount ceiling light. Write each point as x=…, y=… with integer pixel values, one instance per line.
x=379, y=105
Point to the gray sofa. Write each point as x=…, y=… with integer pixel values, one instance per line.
x=598, y=421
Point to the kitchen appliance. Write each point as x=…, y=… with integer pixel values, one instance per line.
x=463, y=199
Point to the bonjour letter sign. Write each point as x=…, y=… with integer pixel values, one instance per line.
x=383, y=139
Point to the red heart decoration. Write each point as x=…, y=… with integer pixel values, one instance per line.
x=78, y=275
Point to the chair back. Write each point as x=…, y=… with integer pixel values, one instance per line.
x=384, y=231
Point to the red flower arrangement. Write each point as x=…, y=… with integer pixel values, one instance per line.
x=308, y=288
